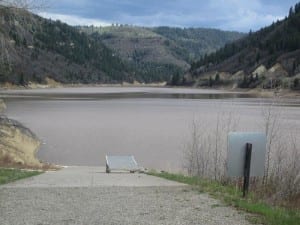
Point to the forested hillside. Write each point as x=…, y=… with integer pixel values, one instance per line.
x=268, y=58
x=33, y=48
x=198, y=41
x=160, y=52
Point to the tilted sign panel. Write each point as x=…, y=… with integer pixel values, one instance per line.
x=236, y=153
x=121, y=163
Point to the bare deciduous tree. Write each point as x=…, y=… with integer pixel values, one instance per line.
x=271, y=115
x=282, y=166
x=197, y=150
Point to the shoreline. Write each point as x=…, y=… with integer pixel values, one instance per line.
x=266, y=93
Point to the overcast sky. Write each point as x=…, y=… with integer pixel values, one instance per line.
x=238, y=15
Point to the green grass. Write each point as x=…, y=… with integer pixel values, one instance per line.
x=10, y=175
x=261, y=212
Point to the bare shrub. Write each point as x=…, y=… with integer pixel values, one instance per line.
x=291, y=180
x=206, y=149
x=271, y=115
x=6, y=160
x=282, y=167
x=197, y=151
x=285, y=173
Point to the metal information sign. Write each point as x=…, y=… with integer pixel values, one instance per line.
x=237, y=143
x=126, y=163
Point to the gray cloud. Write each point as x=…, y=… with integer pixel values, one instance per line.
x=241, y=15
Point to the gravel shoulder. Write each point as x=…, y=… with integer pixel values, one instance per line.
x=85, y=195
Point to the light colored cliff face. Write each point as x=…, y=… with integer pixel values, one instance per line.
x=18, y=145
x=261, y=70
x=2, y=105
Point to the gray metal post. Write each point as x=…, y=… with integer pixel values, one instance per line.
x=247, y=168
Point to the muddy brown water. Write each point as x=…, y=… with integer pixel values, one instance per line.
x=79, y=126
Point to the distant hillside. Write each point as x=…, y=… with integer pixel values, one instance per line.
x=33, y=48
x=143, y=51
x=161, y=51
x=197, y=41
x=268, y=58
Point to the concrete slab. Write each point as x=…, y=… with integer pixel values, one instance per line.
x=80, y=176
x=87, y=195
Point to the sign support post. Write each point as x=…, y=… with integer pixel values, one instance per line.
x=245, y=150
x=247, y=168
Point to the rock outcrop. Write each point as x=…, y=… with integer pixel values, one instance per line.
x=2, y=105
x=261, y=70
x=18, y=145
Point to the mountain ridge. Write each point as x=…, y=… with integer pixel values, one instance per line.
x=171, y=49
x=275, y=47
x=34, y=48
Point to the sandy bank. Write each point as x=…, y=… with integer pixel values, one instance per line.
x=2, y=105
x=268, y=93
x=50, y=83
x=18, y=145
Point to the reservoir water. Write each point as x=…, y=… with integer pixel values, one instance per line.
x=79, y=126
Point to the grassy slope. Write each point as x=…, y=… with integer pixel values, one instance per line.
x=158, y=54
x=172, y=45
x=197, y=41
x=262, y=212
x=10, y=175
x=139, y=44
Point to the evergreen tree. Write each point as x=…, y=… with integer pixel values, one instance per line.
x=175, y=79
x=217, y=78
x=291, y=12
x=210, y=81
x=296, y=83
x=22, y=80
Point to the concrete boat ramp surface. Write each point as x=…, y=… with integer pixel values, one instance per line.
x=91, y=177
x=87, y=195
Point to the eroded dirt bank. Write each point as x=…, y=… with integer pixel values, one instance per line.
x=18, y=145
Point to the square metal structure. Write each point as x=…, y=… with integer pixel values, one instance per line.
x=236, y=153
x=121, y=162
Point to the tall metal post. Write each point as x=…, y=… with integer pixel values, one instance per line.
x=247, y=168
